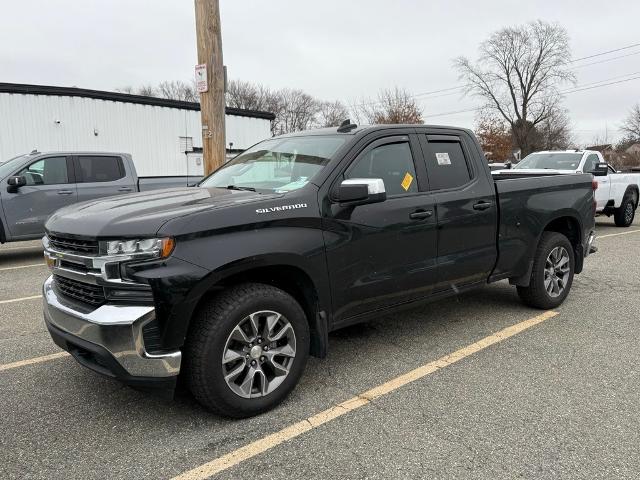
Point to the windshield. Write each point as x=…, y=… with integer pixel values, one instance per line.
x=7, y=168
x=277, y=165
x=553, y=161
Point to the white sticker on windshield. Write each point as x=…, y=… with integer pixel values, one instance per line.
x=443, y=158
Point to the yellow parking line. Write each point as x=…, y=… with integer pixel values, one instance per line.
x=21, y=299
x=23, y=266
x=616, y=234
x=2, y=249
x=270, y=441
x=31, y=361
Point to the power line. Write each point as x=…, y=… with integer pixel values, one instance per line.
x=460, y=87
x=607, y=60
x=604, y=84
x=605, y=53
x=569, y=90
x=578, y=89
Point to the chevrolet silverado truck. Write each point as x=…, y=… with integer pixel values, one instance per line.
x=39, y=183
x=234, y=283
x=617, y=193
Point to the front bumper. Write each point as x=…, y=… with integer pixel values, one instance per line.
x=109, y=340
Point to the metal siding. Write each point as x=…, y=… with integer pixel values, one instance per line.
x=151, y=134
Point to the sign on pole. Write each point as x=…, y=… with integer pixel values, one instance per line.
x=201, y=78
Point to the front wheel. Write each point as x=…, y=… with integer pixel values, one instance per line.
x=625, y=214
x=246, y=350
x=552, y=272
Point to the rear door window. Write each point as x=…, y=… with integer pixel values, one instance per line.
x=447, y=166
x=99, y=168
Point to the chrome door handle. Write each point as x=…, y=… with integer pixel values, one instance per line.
x=65, y=192
x=125, y=189
x=421, y=214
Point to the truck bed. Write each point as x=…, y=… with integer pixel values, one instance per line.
x=526, y=203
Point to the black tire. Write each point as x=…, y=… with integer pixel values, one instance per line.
x=625, y=214
x=536, y=294
x=211, y=327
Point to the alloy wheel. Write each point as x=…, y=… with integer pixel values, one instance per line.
x=258, y=354
x=556, y=271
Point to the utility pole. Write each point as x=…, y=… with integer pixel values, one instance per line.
x=212, y=102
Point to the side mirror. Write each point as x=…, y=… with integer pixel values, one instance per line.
x=15, y=183
x=600, y=170
x=361, y=191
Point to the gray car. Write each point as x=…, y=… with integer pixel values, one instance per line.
x=37, y=184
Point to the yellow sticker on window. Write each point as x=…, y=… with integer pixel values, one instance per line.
x=406, y=181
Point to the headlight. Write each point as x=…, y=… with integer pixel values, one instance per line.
x=152, y=247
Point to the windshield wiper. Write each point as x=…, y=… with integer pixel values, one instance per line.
x=236, y=187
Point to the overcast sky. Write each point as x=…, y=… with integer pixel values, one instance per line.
x=333, y=49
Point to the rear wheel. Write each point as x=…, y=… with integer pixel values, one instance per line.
x=246, y=350
x=625, y=214
x=552, y=272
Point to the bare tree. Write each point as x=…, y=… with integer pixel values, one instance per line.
x=147, y=91
x=631, y=124
x=128, y=89
x=331, y=114
x=518, y=74
x=174, y=90
x=178, y=90
x=248, y=95
x=297, y=111
x=554, y=132
x=393, y=106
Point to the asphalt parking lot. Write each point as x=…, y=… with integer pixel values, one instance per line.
x=557, y=397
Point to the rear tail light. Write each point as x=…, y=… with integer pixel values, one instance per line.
x=594, y=185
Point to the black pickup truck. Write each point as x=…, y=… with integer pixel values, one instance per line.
x=234, y=283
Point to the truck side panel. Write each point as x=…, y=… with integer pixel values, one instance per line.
x=527, y=206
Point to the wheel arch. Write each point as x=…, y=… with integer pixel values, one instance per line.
x=570, y=227
x=289, y=276
x=633, y=189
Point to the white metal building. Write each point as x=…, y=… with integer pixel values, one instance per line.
x=160, y=134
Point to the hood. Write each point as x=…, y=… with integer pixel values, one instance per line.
x=142, y=214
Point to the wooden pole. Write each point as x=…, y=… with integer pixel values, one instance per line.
x=212, y=102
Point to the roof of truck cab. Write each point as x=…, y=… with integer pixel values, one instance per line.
x=359, y=129
x=75, y=152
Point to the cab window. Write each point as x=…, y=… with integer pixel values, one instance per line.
x=590, y=163
x=46, y=171
x=393, y=163
x=447, y=166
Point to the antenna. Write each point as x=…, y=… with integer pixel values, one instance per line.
x=346, y=126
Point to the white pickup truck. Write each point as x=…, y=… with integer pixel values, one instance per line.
x=617, y=193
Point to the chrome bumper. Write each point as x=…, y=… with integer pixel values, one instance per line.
x=591, y=245
x=114, y=328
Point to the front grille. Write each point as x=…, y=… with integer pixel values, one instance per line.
x=73, y=245
x=83, y=292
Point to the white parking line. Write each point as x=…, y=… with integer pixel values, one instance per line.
x=23, y=266
x=616, y=234
x=21, y=299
